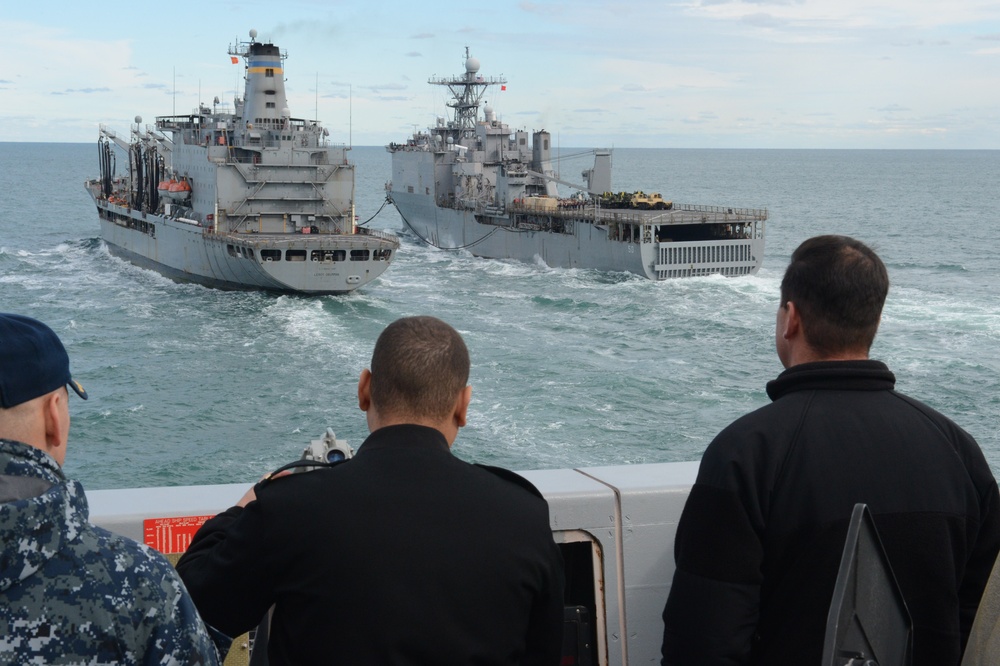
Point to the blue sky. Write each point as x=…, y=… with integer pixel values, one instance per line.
x=643, y=73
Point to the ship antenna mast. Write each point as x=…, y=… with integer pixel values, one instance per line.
x=467, y=90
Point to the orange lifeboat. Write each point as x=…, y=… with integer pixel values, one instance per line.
x=163, y=188
x=179, y=190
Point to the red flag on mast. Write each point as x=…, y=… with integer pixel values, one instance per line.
x=234, y=59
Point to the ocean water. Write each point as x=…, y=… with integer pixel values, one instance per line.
x=570, y=368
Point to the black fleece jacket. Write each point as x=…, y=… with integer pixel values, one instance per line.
x=760, y=539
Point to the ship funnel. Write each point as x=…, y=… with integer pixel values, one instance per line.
x=541, y=150
x=265, y=87
x=598, y=178
x=541, y=160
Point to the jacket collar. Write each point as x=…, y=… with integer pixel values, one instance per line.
x=20, y=460
x=34, y=526
x=833, y=375
x=408, y=436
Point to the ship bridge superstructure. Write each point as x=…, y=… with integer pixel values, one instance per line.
x=253, y=167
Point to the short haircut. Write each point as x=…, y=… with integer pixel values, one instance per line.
x=419, y=367
x=839, y=286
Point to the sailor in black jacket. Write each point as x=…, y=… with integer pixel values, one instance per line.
x=759, y=542
x=403, y=554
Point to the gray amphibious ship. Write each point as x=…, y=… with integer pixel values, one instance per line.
x=244, y=199
x=473, y=183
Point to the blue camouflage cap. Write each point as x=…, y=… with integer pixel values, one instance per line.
x=33, y=361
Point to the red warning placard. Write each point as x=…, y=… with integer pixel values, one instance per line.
x=171, y=535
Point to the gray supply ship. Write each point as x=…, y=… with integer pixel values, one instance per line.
x=474, y=183
x=244, y=199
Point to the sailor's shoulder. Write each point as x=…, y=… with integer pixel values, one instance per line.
x=511, y=477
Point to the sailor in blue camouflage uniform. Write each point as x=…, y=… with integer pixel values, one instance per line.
x=71, y=592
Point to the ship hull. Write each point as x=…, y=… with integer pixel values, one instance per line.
x=187, y=252
x=580, y=243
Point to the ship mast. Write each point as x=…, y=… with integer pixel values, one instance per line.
x=467, y=90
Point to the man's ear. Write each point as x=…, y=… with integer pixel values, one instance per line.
x=365, y=390
x=56, y=418
x=793, y=322
x=462, y=406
